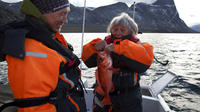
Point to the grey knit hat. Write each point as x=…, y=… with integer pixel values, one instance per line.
x=47, y=6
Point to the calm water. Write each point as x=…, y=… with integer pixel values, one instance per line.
x=181, y=50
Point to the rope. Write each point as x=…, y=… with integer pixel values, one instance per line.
x=164, y=63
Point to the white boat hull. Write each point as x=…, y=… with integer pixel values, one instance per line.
x=150, y=104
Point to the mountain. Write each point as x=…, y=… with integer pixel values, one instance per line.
x=160, y=16
x=9, y=12
x=14, y=7
x=196, y=27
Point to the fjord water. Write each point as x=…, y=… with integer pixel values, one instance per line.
x=182, y=50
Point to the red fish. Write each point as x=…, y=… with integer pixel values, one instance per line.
x=103, y=76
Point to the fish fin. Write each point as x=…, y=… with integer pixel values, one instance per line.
x=115, y=70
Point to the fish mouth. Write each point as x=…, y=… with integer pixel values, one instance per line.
x=100, y=59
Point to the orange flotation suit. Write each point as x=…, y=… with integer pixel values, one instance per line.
x=129, y=51
x=46, y=78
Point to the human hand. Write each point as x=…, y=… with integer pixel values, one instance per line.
x=109, y=48
x=100, y=46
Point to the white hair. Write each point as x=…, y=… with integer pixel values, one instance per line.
x=126, y=20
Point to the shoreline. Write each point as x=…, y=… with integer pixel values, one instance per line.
x=68, y=28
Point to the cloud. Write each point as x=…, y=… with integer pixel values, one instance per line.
x=189, y=11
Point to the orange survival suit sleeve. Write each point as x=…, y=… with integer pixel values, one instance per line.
x=89, y=54
x=136, y=56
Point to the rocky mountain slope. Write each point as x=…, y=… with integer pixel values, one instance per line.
x=160, y=16
x=9, y=12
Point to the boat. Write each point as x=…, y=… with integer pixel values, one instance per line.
x=152, y=100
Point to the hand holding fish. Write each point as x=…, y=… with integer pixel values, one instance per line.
x=109, y=48
x=100, y=46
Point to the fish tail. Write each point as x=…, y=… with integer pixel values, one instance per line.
x=106, y=100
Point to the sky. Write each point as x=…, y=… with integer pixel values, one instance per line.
x=189, y=10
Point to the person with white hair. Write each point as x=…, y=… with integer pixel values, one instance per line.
x=130, y=58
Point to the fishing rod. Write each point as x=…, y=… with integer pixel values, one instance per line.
x=134, y=6
x=133, y=10
x=83, y=30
